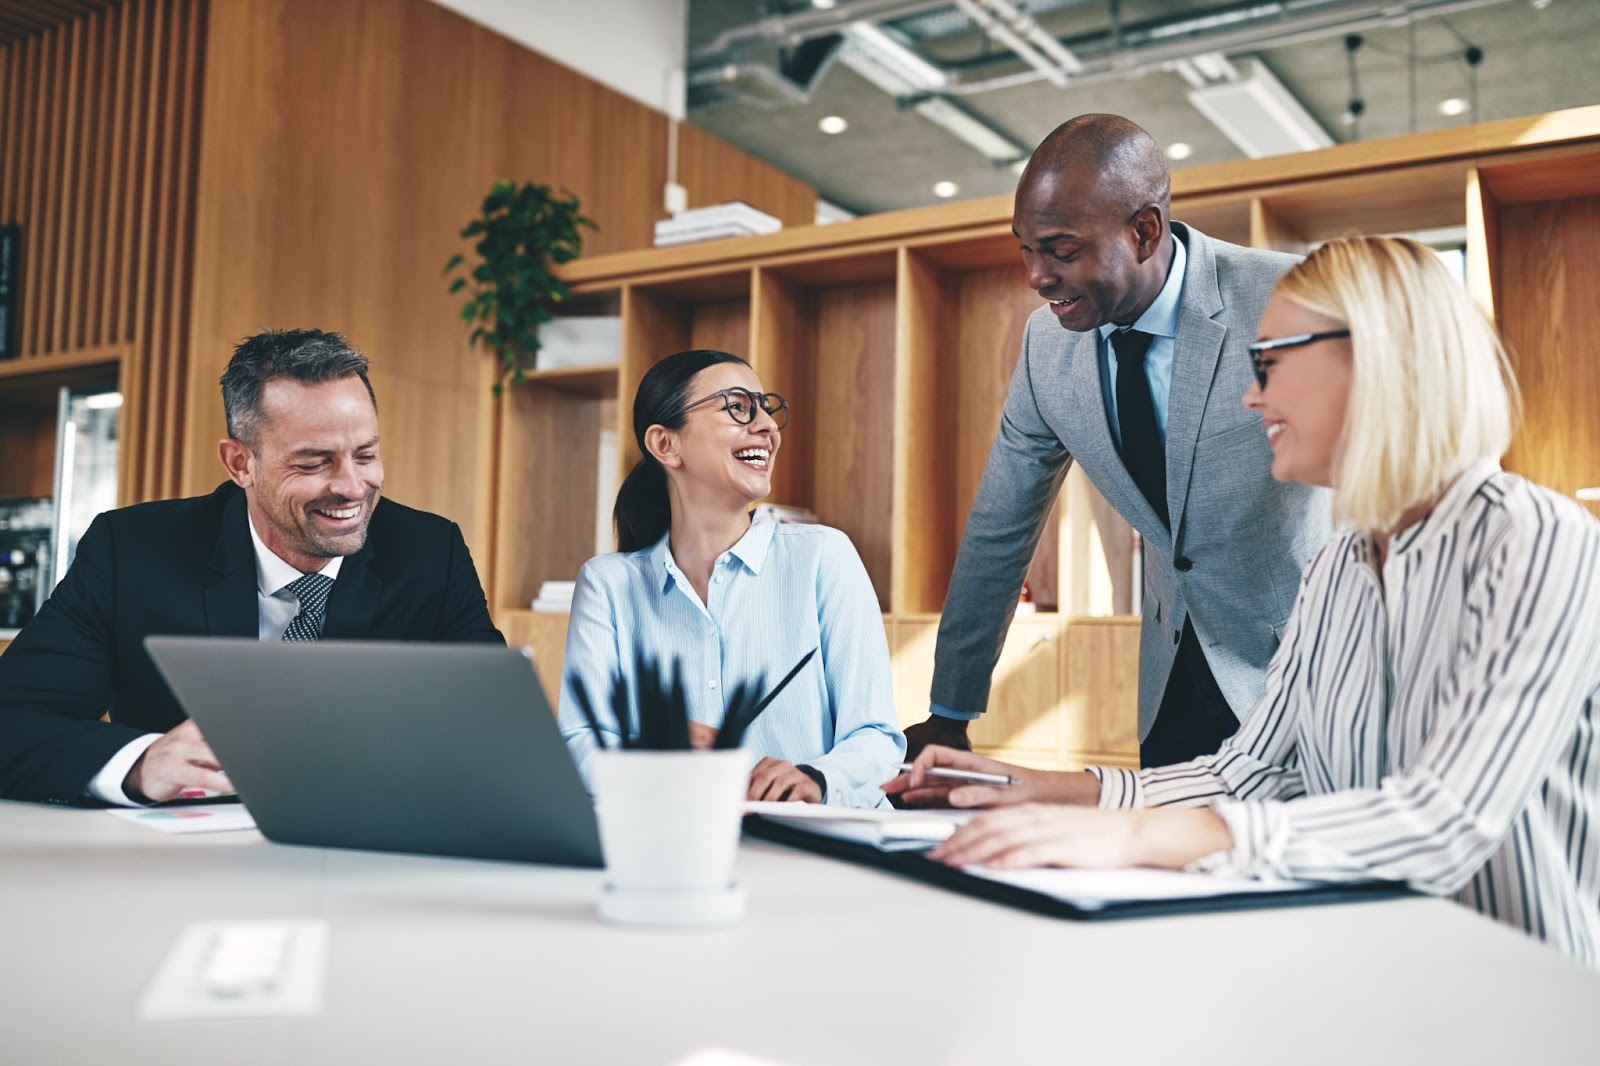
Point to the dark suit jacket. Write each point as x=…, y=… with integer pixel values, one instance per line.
x=187, y=567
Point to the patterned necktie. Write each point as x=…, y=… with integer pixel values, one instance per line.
x=1142, y=451
x=312, y=592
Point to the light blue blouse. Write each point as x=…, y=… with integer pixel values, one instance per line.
x=783, y=590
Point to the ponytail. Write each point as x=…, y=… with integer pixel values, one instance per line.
x=643, y=511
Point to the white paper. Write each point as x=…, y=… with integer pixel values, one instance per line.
x=222, y=818
x=1093, y=889
x=240, y=969
x=883, y=827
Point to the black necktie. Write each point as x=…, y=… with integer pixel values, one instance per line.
x=312, y=592
x=1142, y=452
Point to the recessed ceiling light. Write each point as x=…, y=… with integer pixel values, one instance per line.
x=1453, y=106
x=945, y=189
x=832, y=124
x=1180, y=150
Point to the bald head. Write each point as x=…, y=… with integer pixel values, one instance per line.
x=1121, y=163
x=1091, y=221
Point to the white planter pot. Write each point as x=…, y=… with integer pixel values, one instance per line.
x=669, y=826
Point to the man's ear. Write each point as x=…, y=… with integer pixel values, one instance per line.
x=236, y=457
x=662, y=443
x=1148, y=228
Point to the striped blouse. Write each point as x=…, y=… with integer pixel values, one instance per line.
x=1434, y=724
x=780, y=592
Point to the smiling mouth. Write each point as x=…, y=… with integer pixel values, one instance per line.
x=1064, y=303
x=1274, y=429
x=338, y=514
x=755, y=458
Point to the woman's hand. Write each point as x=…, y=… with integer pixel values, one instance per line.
x=778, y=781
x=917, y=788
x=1039, y=834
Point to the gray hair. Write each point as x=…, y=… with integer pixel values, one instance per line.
x=309, y=356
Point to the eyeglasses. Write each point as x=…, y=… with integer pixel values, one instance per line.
x=1278, y=344
x=741, y=405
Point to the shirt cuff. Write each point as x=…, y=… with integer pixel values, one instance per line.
x=939, y=710
x=1119, y=789
x=106, y=785
x=817, y=776
x=1260, y=834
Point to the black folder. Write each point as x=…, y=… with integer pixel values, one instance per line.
x=920, y=867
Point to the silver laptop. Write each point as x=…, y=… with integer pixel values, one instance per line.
x=445, y=749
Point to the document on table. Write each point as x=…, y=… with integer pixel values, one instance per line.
x=1094, y=889
x=221, y=818
x=884, y=828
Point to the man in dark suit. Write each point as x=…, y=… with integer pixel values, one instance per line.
x=297, y=545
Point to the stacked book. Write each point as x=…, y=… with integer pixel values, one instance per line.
x=777, y=512
x=735, y=219
x=555, y=597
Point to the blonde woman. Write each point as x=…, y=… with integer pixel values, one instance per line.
x=1430, y=714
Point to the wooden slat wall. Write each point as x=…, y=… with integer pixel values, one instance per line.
x=99, y=134
x=343, y=147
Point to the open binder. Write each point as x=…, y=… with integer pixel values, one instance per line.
x=1093, y=895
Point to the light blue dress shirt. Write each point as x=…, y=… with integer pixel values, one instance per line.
x=783, y=590
x=1160, y=320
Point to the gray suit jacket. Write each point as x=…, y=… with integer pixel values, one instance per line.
x=1239, y=539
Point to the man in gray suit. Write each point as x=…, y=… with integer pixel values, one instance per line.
x=1135, y=368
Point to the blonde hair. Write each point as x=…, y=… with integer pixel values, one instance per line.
x=1431, y=391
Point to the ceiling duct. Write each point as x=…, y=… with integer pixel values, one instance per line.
x=1258, y=114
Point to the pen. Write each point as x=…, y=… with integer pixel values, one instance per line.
x=971, y=776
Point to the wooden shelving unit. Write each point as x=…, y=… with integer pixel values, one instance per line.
x=894, y=338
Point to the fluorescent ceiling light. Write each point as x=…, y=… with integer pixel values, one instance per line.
x=1258, y=114
x=992, y=145
x=888, y=64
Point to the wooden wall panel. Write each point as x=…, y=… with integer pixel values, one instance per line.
x=713, y=171
x=99, y=144
x=343, y=147
x=1551, y=323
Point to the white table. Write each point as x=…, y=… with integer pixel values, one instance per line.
x=454, y=961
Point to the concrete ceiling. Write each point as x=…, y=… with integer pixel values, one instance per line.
x=1538, y=55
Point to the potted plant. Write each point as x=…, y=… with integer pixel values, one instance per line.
x=523, y=233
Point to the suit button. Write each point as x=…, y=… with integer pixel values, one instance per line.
x=1183, y=563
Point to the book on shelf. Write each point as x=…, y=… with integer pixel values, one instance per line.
x=555, y=597
x=734, y=219
x=579, y=340
x=777, y=512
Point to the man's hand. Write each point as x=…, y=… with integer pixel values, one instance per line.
x=776, y=780
x=1038, y=834
x=701, y=736
x=947, y=732
x=917, y=788
x=181, y=759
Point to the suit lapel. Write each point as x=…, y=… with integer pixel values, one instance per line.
x=230, y=593
x=353, y=603
x=1194, y=367
x=1092, y=444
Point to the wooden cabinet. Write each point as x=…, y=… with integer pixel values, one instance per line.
x=894, y=337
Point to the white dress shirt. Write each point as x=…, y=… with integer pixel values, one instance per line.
x=275, y=609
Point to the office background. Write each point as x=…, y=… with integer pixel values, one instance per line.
x=185, y=172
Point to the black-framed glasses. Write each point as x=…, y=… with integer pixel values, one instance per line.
x=741, y=405
x=1277, y=344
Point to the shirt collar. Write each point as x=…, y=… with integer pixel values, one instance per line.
x=1160, y=319
x=751, y=550
x=1448, y=510
x=272, y=573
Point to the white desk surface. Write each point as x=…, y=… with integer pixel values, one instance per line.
x=456, y=961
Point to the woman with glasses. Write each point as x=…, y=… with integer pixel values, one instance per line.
x=728, y=601
x=1429, y=716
